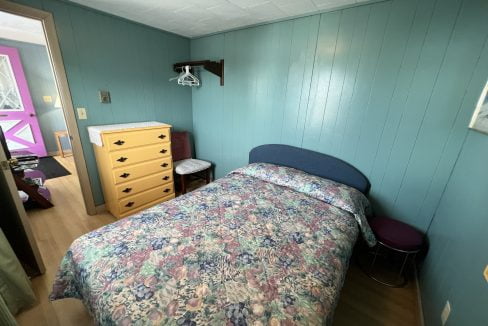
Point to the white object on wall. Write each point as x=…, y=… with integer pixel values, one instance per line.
x=186, y=78
x=445, y=313
x=57, y=103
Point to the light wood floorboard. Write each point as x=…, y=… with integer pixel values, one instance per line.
x=363, y=301
x=55, y=229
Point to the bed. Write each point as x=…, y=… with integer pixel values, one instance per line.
x=268, y=244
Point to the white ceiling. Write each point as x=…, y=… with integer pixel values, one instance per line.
x=193, y=18
x=18, y=28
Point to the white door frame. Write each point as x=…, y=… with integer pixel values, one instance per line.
x=47, y=21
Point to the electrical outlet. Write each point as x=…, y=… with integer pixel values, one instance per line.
x=47, y=99
x=81, y=113
x=485, y=273
x=445, y=313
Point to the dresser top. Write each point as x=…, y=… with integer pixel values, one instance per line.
x=95, y=132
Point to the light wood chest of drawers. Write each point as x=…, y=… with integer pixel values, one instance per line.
x=135, y=166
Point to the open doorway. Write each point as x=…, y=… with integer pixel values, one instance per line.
x=48, y=169
x=31, y=113
x=30, y=108
x=36, y=112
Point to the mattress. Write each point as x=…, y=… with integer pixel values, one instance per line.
x=265, y=245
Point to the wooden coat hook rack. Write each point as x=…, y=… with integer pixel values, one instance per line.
x=216, y=68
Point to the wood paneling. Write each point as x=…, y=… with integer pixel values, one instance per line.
x=453, y=270
x=132, y=61
x=379, y=85
x=454, y=267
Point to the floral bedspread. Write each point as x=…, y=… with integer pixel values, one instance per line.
x=266, y=245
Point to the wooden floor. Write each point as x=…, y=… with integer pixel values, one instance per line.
x=363, y=301
x=55, y=229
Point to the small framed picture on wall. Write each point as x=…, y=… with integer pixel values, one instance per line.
x=479, y=121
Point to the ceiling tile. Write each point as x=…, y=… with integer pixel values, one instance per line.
x=266, y=11
x=228, y=10
x=193, y=18
x=248, y=3
x=295, y=9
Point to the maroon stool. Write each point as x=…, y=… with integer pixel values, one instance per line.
x=398, y=237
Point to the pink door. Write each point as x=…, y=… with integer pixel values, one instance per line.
x=17, y=114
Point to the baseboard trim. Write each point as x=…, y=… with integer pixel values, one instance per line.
x=419, y=297
x=100, y=209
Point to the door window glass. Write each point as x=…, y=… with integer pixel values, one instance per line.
x=9, y=93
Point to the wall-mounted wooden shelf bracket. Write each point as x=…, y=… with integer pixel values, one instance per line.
x=216, y=68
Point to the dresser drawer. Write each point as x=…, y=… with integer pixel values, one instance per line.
x=137, y=155
x=145, y=197
x=130, y=139
x=134, y=187
x=140, y=170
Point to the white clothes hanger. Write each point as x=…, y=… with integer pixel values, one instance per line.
x=171, y=79
x=177, y=77
x=186, y=78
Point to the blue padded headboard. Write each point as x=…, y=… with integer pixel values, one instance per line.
x=315, y=163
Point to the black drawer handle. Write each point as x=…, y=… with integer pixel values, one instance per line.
x=129, y=204
x=122, y=159
x=164, y=165
x=127, y=190
x=119, y=142
x=163, y=151
x=166, y=190
x=162, y=136
x=166, y=178
x=124, y=175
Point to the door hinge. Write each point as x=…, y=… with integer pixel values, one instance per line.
x=6, y=165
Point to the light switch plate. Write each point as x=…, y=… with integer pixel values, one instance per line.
x=445, y=313
x=104, y=97
x=485, y=273
x=81, y=113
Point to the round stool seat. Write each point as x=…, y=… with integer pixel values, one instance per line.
x=396, y=234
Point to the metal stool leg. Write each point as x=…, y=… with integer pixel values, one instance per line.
x=374, y=259
x=402, y=279
x=403, y=265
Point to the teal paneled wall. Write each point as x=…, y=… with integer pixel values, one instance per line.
x=132, y=61
x=458, y=253
x=40, y=78
x=387, y=86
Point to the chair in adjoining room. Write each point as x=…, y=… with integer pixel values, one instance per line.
x=184, y=164
x=398, y=238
